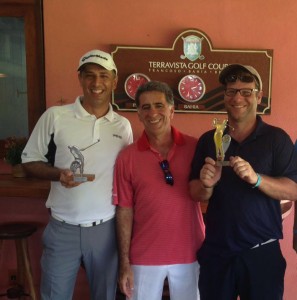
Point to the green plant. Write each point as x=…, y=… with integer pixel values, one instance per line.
x=13, y=149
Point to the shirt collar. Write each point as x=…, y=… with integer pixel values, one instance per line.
x=143, y=142
x=260, y=128
x=81, y=113
x=258, y=131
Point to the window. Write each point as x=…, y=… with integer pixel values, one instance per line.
x=22, y=98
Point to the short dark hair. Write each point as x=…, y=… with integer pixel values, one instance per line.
x=157, y=86
x=83, y=67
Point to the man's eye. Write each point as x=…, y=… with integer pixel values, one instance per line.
x=230, y=92
x=245, y=92
x=89, y=76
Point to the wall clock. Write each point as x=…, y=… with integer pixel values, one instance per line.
x=191, y=88
x=132, y=83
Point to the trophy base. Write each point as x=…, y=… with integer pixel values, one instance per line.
x=83, y=177
x=223, y=163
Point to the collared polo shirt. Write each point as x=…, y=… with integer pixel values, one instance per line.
x=167, y=227
x=239, y=216
x=72, y=125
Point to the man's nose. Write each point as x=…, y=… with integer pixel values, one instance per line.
x=237, y=94
x=97, y=80
x=153, y=110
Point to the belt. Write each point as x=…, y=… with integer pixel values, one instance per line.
x=264, y=243
x=95, y=223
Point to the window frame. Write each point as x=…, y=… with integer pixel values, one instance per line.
x=32, y=12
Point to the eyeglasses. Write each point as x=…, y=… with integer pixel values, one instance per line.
x=242, y=78
x=164, y=164
x=243, y=92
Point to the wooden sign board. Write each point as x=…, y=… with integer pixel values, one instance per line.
x=191, y=53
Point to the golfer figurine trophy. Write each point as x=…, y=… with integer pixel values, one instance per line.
x=78, y=164
x=221, y=141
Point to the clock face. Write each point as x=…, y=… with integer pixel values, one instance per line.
x=191, y=88
x=132, y=83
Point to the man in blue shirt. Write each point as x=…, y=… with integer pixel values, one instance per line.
x=241, y=255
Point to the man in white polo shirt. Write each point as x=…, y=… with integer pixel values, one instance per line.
x=83, y=137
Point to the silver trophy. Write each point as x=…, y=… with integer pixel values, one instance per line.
x=221, y=141
x=78, y=164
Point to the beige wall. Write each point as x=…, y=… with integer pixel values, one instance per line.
x=72, y=27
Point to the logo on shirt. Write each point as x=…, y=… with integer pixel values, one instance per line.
x=117, y=136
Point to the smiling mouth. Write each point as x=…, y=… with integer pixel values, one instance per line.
x=154, y=121
x=96, y=91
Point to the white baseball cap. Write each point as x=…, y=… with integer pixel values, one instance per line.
x=98, y=57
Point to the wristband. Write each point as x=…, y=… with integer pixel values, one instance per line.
x=258, y=181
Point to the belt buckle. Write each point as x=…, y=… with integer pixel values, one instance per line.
x=95, y=223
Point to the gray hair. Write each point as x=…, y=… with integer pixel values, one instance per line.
x=157, y=86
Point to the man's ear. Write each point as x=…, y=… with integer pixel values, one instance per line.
x=171, y=112
x=79, y=77
x=115, y=82
x=259, y=97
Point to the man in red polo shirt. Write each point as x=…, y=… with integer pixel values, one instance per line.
x=160, y=228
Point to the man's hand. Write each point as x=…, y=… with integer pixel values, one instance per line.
x=243, y=169
x=66, y=179
x=210, y=174
x=126, y=280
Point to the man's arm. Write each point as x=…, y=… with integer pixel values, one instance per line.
x=202, y=189
x=44, y=170
x=124, y=218
x=295, y=228
x=277, y=188
x=198, y=192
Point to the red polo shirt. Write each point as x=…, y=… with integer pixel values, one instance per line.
x=168, y=227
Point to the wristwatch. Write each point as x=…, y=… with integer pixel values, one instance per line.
x=132, y=83
x=191, y=88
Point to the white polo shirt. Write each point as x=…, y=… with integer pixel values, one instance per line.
x=72, y=125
